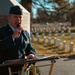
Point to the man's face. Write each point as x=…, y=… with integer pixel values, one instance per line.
x=14, y=20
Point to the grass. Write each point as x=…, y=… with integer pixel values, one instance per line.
x=52, y=49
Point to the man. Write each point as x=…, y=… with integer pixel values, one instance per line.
x=14, y=41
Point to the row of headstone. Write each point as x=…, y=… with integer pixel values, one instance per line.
x=47, y=28
x=56, y=42
x=56, y=35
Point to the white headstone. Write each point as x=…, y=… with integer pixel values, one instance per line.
x=58, y=43
x=55, y=40
x=71, y=46
x=63, y=36
x=64, y=45
x=49, y=40
x=38, y=39
x=44, y=39
x=73, y=35
x=32, y=37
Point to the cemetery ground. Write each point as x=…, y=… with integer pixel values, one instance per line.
x=53, y=40
x=62, y=44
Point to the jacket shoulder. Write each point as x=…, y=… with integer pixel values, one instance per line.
x=2, y=29
x=26, y=33
x=1, y=32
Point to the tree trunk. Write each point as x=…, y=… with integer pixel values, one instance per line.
x=73, y=19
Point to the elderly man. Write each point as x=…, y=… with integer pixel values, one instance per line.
x=14, y=41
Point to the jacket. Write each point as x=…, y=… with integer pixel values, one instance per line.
x=9, y=49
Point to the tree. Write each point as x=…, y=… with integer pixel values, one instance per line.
x=27, y=4
x=54, y=10
x=72, y=14
x=57, y=10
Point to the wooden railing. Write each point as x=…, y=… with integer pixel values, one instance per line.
x=31, y=63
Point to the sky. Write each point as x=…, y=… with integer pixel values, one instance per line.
x=18, y=0
x=71, y=0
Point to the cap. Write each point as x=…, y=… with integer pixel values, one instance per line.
x=15, y=10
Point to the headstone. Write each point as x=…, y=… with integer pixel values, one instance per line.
x=43, y=34
x=32, y=37
x=38, y=39
x=68, y=30
x=49, y=35
x=55, y=40
x=58, y=43
x=63, y=36
x=71, y=46
x=56, y=34
x=64, y=45
x=49, y=40
x=37, y=34
x=62, y=31
x=73, y=35
x=50, y=32
x=44, y=39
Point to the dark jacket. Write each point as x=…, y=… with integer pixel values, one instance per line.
x=9, y=49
